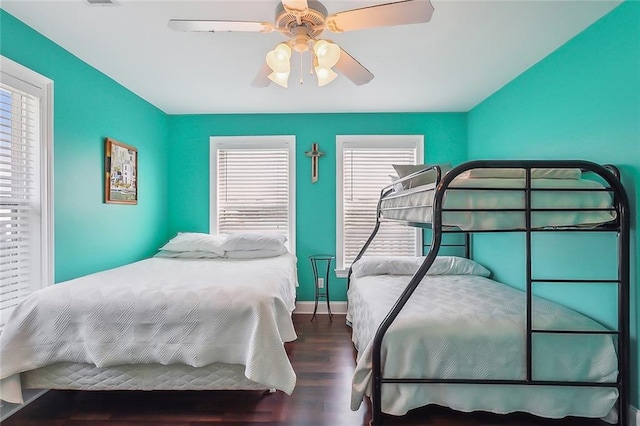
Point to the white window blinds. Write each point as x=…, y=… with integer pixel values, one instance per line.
x=19, y=196
x=253, y=185
x=366, y=168
x=253, y=191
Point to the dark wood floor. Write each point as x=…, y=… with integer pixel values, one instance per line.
x=323, y=358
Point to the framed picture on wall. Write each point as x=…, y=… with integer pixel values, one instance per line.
x=121, y=173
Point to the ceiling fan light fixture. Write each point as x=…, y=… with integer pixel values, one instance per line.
x=278, y=58
x=303, y=21
x=327, y=53
x=325, y=75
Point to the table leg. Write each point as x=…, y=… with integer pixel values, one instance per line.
x=315, y=285
x=326, y=289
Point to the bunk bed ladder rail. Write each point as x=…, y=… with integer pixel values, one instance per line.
x=621, y=205
x=607, y=173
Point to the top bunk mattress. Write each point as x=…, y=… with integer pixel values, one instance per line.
x=478, y=208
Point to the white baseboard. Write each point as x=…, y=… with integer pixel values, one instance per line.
x=307, y=308
x=634, y=416
x=29, y=395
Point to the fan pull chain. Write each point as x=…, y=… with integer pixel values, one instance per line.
x=301, y=80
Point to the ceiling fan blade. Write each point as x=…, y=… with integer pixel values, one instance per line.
x=262, y=78
x=353, y=69
x=220, y=26
x=383, y=15
x=295, y=7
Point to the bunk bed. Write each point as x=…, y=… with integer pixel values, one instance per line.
x=412, y=352
x=193, y=317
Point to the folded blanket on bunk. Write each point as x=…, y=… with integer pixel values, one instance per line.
x=164, y=311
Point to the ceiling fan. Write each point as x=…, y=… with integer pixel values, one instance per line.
x=303, y=21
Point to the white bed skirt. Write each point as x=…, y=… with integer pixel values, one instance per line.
x=218, y=376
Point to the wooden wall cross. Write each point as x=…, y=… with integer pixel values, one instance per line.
x=315, y=154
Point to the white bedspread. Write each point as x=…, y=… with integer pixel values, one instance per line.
x=165, y=311
x=470, y=327
x=415, y=205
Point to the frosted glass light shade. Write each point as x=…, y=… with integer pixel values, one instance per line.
x=327, y=53
x=280, y=78
x=325, y=75
x=278, y=58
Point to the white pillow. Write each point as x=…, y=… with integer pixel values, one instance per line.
x=254, y=241
x=516, y=173
x=408, y=265
x=254, y=254
x=454, y=265
x=193, y=241
x=187, y=254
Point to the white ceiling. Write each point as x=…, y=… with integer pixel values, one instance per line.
x=468, y=51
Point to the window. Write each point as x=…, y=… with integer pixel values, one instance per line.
x=26, y=252
x=253, y=185
x=364, y=167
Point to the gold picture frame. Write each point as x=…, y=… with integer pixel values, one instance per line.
x=121, y=173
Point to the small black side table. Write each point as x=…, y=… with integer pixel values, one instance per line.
x=321, y=292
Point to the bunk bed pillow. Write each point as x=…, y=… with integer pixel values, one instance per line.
x=515, y=173
x=408, y=265
x=195, y=242
x=422, y=179
x=454, y=265
x=254, y=241
x=187, y=254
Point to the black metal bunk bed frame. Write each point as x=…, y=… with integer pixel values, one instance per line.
x=620, y=225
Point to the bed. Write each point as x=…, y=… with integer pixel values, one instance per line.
x=438, y=330
x=190, y=318
x=498, y=203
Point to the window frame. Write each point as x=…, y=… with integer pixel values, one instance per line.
x=254, y=142
x=367, y=141
x=26, y=80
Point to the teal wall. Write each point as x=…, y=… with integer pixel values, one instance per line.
x=89, y=106
x=444, y=136
x=581, y=102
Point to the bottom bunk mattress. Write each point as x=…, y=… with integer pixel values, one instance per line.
x=161, y=313
x=471, y=327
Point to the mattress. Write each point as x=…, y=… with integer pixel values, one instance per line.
x=471, y=327
x=416, y=204
x=180, y=312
